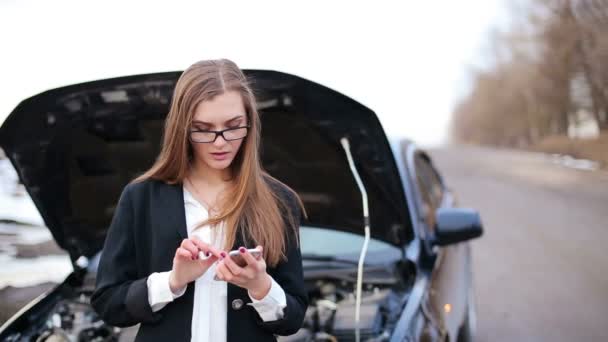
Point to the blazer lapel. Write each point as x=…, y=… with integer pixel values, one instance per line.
x=172, y=196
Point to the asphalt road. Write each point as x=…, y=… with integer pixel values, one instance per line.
x=541, y=269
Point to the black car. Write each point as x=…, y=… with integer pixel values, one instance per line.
x=76, y=147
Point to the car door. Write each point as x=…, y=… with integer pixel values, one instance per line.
x=449, y=265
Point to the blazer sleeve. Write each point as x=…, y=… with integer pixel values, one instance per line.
x=120, y=298
x=289, y=275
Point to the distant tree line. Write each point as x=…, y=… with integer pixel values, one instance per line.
x=547, y=68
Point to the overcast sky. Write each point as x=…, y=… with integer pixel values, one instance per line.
x=405, y=61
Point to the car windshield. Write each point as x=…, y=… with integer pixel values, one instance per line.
x=317, y=243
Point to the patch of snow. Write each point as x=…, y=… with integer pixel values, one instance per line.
x=15, y=204
x=573, y=163
x=28, y=272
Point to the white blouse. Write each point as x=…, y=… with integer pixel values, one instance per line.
x=210, y=309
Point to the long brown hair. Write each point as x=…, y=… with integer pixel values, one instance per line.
x=253, y=205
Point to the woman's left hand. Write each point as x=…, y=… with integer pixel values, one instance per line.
x=252, y=277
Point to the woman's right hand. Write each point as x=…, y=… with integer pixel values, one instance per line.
x=187, y=266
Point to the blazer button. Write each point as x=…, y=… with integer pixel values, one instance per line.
x=237, y=304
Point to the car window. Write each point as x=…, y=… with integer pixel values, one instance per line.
x=430, y=188
x=434, y=183
x=429, y=179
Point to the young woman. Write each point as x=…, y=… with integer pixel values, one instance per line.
x=165, y=264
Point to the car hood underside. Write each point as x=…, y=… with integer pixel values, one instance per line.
x=76, y=147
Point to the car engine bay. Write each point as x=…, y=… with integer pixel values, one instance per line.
x=69, y=317
x=331, y=313
x=329, y=317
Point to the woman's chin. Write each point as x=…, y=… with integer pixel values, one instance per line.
x=219, y=164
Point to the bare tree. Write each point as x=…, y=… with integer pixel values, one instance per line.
x=536, y=81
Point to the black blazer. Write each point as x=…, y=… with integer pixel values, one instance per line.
x=148, y=226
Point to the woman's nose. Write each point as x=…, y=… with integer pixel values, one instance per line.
x=219, y=141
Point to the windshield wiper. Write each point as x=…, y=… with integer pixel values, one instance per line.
x=328, y=258
x=15, y=222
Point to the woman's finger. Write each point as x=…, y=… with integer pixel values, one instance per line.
x=187, y=244
x=204, y=256
x=216, y=252
x=183, y=253
x=218, y=274
x=232, y=266
x=204, y=247
x=223, y=272
x=199, y=243
x=248, y=257
x=248, y=273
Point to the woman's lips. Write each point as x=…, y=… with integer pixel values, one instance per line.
x=220, y=156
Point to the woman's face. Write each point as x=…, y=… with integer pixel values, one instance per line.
x=223, y=111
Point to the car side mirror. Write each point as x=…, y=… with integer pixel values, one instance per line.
x=454, y=225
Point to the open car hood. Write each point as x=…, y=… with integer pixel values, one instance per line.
x=76, y=147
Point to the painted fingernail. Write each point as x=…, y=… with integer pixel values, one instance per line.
x=208, y=254
x=242, y=249
x=223, y=254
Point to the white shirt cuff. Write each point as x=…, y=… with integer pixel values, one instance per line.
x=270, y=308
x=159, y=291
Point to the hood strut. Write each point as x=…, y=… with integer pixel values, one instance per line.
x=353, y=169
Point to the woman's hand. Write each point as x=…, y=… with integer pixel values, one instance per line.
x=187, y=266
x=252, y=277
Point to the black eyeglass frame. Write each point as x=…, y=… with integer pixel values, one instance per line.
x=217, y=133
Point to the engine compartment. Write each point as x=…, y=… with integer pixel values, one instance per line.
x=331, y=313
x=70, y=318
x=329, y=317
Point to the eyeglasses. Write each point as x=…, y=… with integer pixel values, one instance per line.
x=229, y=134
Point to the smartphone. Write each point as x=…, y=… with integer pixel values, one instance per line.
x=238, y=258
